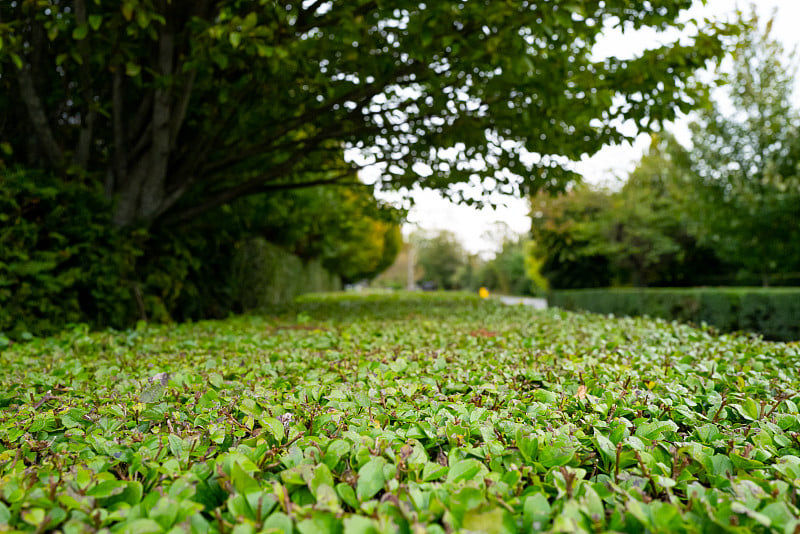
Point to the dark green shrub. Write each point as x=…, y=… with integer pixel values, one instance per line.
x=61, y=261
x=718, y=307
x=775, y=313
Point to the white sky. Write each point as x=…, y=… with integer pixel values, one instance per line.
x=474, y=228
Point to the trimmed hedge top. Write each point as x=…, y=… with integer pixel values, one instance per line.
x=401, y=414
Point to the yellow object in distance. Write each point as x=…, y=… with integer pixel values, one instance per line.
x=483, y=293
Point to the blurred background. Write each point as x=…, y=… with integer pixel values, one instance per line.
x=174, y=161
x=711, y=200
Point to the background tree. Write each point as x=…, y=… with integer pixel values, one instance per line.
x=506, y=273
x=646, y=232
x=470, y=274
x=640, y=235
x=723, y=212
x=353, y=234
x=441, y=258
x=744, y=173
x=178, y=107
x=565, y=234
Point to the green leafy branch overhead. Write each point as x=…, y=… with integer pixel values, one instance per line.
x=177, y=107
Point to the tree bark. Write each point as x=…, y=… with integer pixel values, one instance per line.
x=154, y=185
x=38, y=117
x=89, y=113
x=141, y=171
x=181, y=109
x=120, y=174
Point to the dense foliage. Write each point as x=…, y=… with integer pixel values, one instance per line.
x=771, y=312
x=723, y=212
x=506, y=273
x=640, y=235
x=354, y=235
x=178, y=107
x=265, y=277
x=406, y=414
x=62, y=262
x=563, y=230
x=745, y=165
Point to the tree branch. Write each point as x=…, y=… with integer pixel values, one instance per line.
x=320, y=22
x=38, y=118
x=210, y=204
x=359, y=93
x=120, y=142
x=182, y=106
x=302, y=18
x=138, y=127
x=88, y=114
x=260, y=184
x=185, y=175
x=188, y=162
x=153, y=190
x=243, y=189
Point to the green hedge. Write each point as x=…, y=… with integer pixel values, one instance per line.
x=772, y=312
x=265, y=276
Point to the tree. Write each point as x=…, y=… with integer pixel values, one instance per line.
x=441, y=258
x=640, y=235
x=565, y=234
x=646, y=232
x=364, y=248
x=506, y=272
x=177, y=107
x=744, y=171
x=354, y=235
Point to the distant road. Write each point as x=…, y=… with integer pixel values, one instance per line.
x=539, y=304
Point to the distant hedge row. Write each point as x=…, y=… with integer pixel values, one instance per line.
x=265, y=275
x=772, y=312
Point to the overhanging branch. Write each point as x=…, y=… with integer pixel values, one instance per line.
x=359, y=93
x=253, y=187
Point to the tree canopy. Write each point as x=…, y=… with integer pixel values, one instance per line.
x=178, y=107
x=639, y=235
x=722, y=212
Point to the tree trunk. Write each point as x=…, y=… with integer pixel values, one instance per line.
x=140, y=171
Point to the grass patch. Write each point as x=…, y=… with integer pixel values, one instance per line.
x=402, y=413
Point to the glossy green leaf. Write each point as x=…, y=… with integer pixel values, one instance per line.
x=370, y=479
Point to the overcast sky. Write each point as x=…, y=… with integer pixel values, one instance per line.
x=474, y=228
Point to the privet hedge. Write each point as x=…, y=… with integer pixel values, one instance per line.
x=772, y=312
